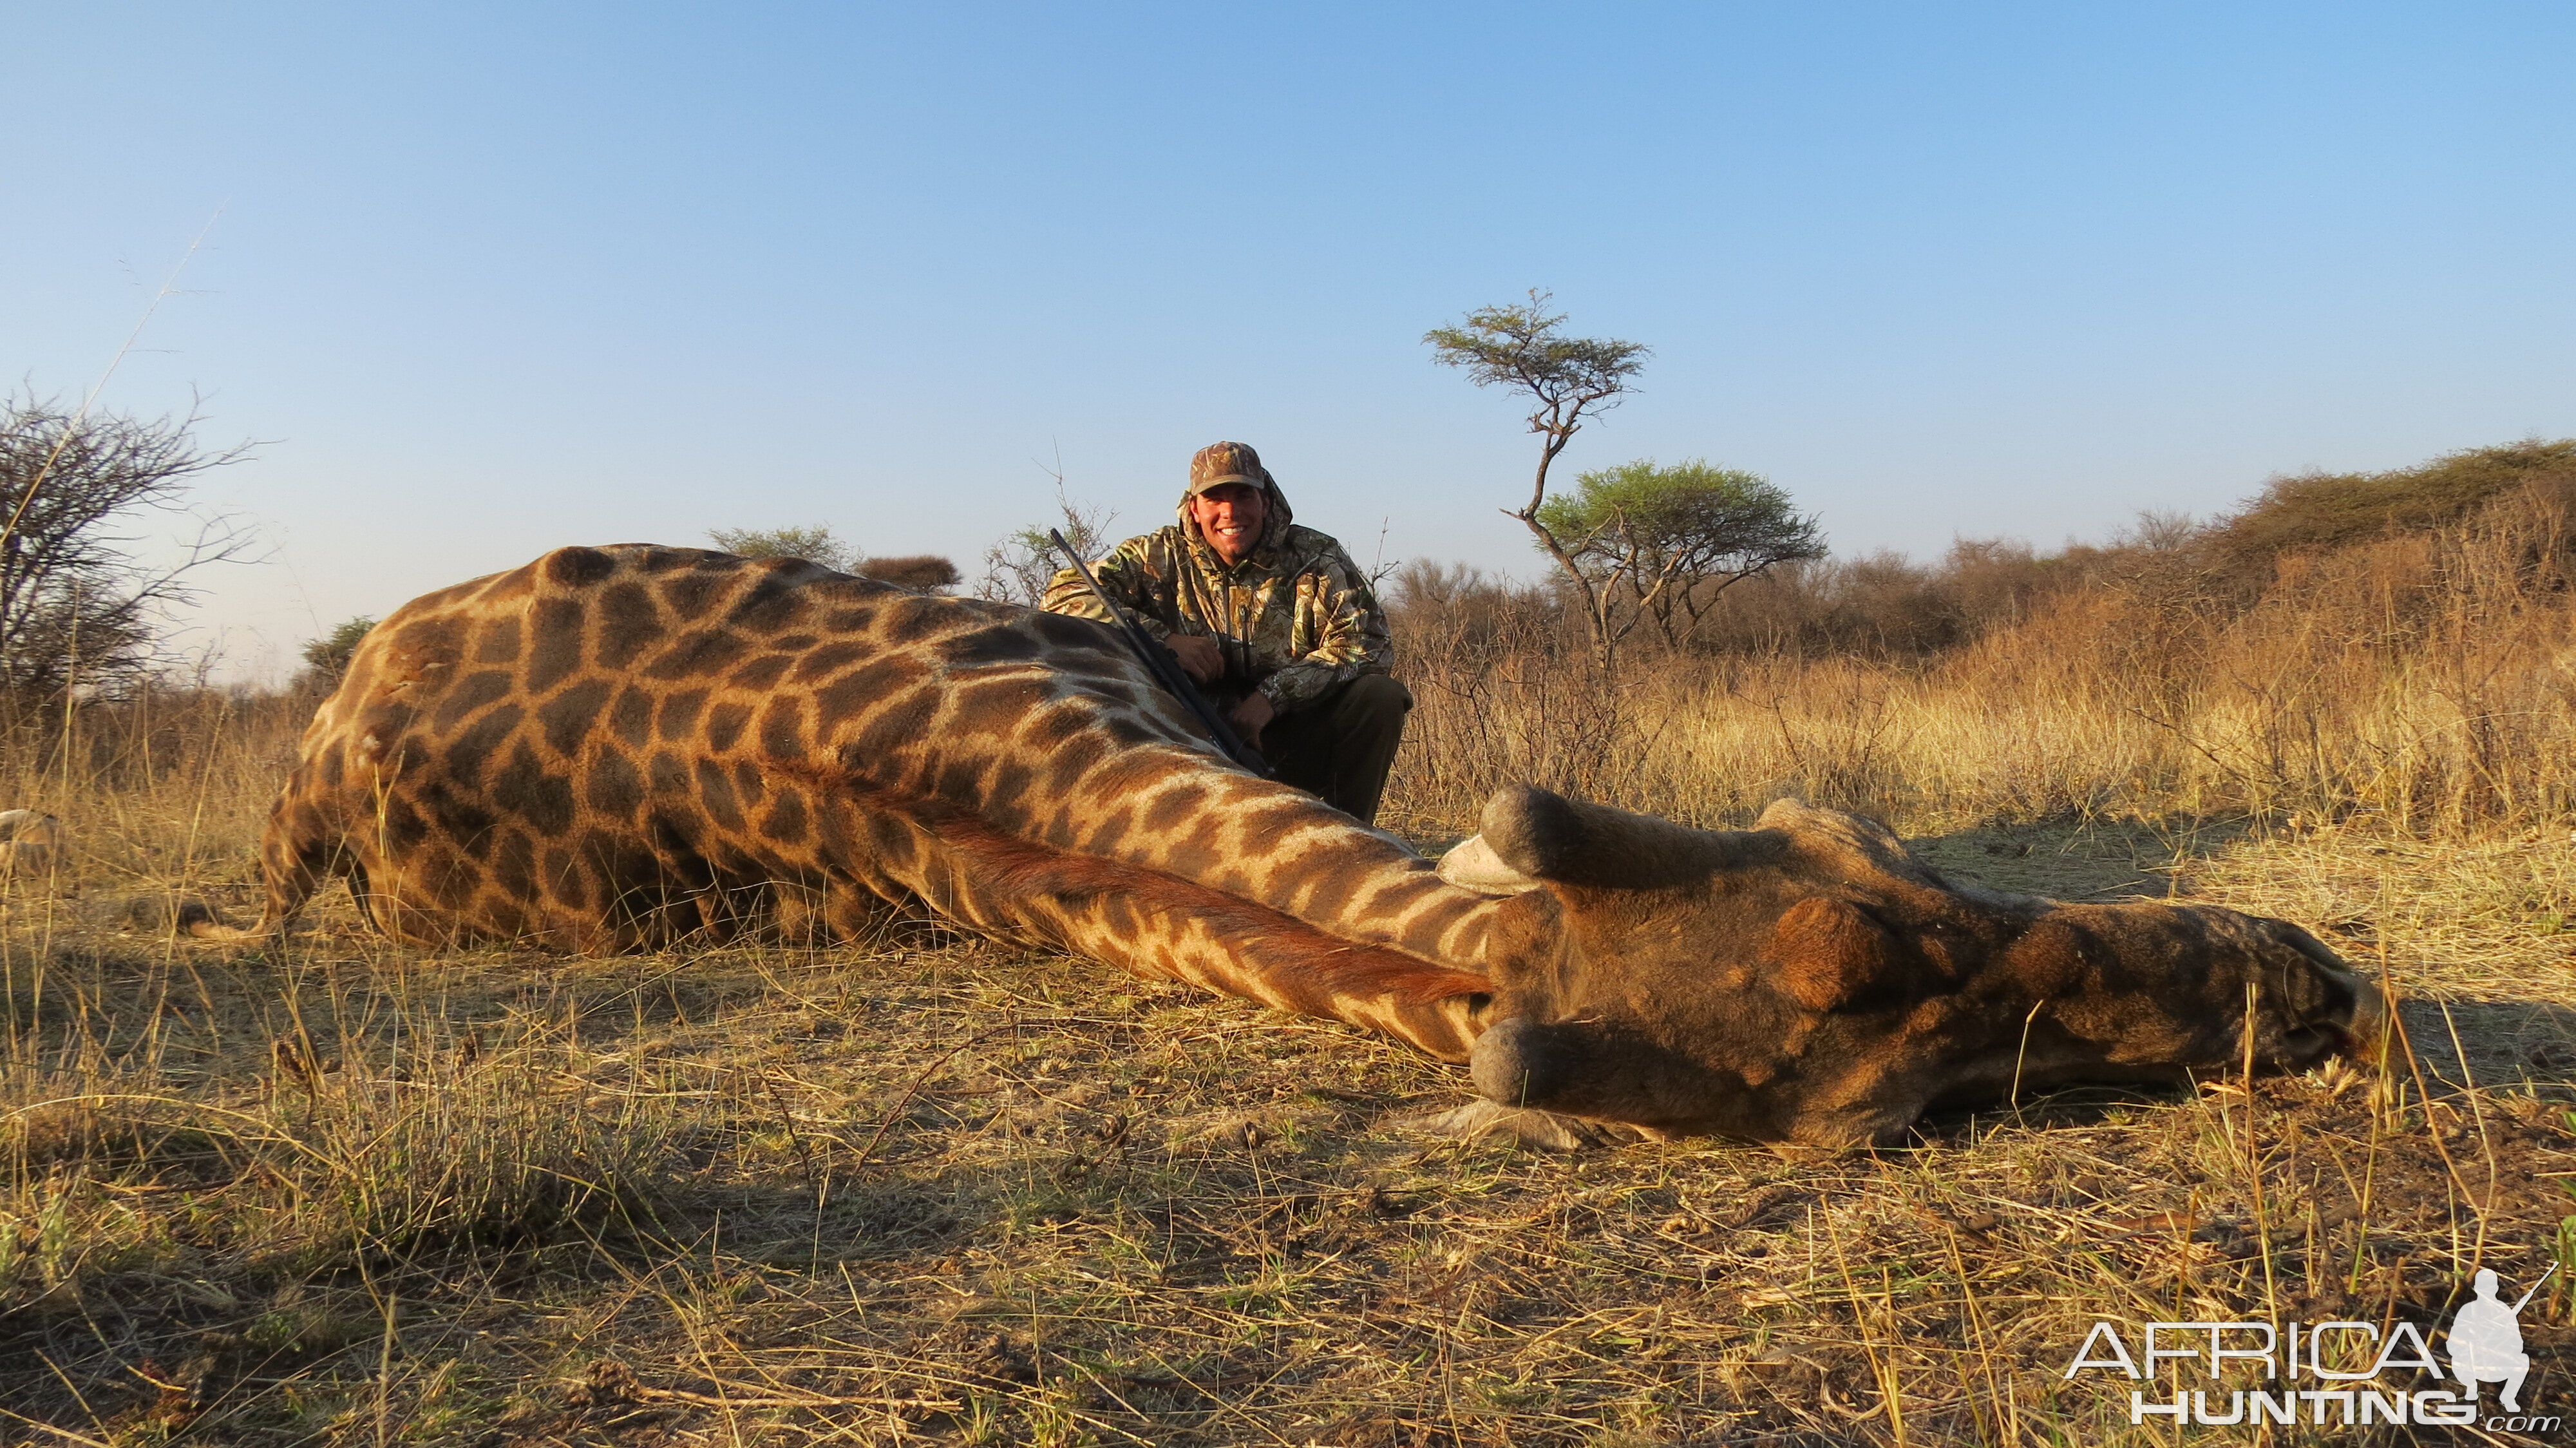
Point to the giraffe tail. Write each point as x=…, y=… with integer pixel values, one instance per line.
x=200, y=920
x=196, y=919
x=292, y=867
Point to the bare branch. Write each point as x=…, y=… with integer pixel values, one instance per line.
x=1018, y=568
x=76, y=605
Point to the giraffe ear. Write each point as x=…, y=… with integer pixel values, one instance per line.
x=1472, y=864
x=1827, y=953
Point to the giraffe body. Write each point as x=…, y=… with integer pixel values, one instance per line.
x=614, y=748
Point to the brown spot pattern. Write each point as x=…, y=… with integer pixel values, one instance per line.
x=613, y=748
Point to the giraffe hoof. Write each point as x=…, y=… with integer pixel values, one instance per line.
x=1540, y=1130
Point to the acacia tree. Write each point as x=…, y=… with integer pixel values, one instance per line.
x=1669, y=540
x=1566, y=380
x=923, y=572
x=77, y=606
x=327, y=658
x=814, y=545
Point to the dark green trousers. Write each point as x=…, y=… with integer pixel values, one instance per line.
x=1341, y=746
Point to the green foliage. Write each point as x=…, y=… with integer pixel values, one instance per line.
x=1712, y=520
x=2321, y=510
x=1668, y=540
x=817, y=546
x=1519, y=346
x=329, y=655
x=814, y=545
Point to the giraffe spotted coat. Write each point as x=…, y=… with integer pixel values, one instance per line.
x=612, y=748
x=620, y=748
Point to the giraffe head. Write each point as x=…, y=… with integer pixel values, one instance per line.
x=1810, y=980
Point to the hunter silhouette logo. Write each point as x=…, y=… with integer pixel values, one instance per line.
x=2343, y=1373
x=2486, y=1341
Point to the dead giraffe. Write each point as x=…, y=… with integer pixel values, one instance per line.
x=613, y=748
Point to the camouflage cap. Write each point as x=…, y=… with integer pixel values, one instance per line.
x=1220, y=463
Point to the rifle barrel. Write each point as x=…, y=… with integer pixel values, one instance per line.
x=1165, y=669
x=2535, y=1287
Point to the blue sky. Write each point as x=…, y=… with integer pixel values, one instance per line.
x=492, y=279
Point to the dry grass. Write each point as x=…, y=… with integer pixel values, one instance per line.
x=937, y=1191
x=949, y=1193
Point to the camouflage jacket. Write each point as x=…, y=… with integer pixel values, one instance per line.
x=1296, y=620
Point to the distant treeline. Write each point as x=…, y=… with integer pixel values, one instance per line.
x=1885, y=607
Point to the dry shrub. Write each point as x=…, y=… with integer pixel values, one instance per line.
x=380, y=1147
x=168, y=787
x=1506, y=691
x=65, y=1230
x=922, y=571
x=2311, y=511
x=445, y=1150
x=76, y=1132
x=2418, y=681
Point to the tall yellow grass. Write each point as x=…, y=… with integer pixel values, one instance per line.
x=2424, y=683
x=166, y=789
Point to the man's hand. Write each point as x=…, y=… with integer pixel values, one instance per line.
x=1250, y=715
x=1198, y=656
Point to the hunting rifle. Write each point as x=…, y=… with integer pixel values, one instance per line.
x=1165, y=669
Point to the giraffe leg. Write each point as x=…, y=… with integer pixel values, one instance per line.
x=797, y=915
x=362, y=895
x=853, y=914
x=295, y=858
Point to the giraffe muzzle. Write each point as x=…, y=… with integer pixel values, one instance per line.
x=1518, y=1062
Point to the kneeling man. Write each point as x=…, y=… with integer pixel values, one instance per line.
x=1274, y=620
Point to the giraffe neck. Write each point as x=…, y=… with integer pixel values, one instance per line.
x=1159, y=922
x=1278, y=846
x=1153, y=853
x=1083, y=753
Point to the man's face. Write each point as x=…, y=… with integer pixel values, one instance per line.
x=1229, y=516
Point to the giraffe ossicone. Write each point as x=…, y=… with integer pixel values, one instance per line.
x=628, y=747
